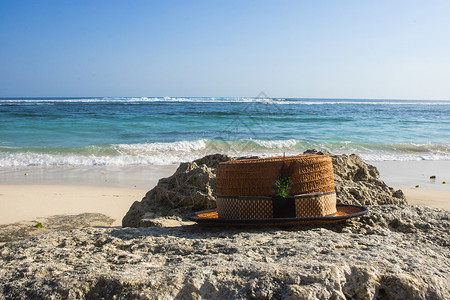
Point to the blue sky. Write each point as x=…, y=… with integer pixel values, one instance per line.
x=304, y=49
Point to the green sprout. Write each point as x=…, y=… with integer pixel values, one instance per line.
x=282, y=186
x=39, y=225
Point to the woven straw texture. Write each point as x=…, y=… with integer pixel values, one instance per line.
x=315, y=206
x=241, y=208
x=256, y=177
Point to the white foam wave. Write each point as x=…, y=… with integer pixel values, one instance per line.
x=277, y=144
x=403, y=157
x=123, y=154
x=278, y=101
x=181, y=151
x=158, y=148
x=135, y=100
x=46, y=160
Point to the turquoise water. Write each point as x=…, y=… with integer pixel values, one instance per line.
x=140, y=131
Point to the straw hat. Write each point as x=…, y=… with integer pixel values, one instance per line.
x=280, y=190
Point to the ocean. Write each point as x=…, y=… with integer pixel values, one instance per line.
x=52, y=132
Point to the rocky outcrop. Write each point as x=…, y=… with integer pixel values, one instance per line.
x=394, y=252
x=192, y=188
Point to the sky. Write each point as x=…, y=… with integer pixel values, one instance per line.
x=297, y=49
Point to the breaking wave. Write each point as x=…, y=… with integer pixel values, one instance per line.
x=181, y=151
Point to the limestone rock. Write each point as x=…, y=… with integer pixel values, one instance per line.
x=190, y=188
x=21, y=230
x=394, y=252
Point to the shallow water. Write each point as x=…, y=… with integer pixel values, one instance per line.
x=143, y=131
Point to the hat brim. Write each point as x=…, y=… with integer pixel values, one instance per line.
x=344, y=212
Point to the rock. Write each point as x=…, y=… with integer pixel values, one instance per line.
x=192, y=188
x=394, y=252
x=21, y=230
x=171, y=221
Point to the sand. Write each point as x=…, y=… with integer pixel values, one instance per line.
x=409, y=174
x=33, y=193
x=432, y=198
x=28, y=202
x=28, y=194
x=406, y=175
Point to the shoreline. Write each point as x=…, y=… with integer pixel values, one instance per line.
x=397, y=174
x=140, y=177
x=33, y=193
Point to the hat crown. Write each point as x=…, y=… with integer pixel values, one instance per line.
x=245, y=188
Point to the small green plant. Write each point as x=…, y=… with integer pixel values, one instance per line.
x=282, y=186
x=39, y=225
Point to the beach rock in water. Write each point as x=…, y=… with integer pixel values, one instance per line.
x=394, y=252
x=359, y=183
x=192, y=188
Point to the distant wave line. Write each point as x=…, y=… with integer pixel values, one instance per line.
x=277, y=101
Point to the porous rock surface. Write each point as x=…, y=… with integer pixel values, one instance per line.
x=394, y=252
x=192, y=188
x=25, y=229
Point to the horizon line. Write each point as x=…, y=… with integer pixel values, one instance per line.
x=254, y=97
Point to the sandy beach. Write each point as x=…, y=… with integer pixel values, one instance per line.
x=431, y=198
x=29, y=202
x=406, y=175
x=30, y=194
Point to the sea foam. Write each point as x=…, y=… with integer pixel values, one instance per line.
x=182, y=151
